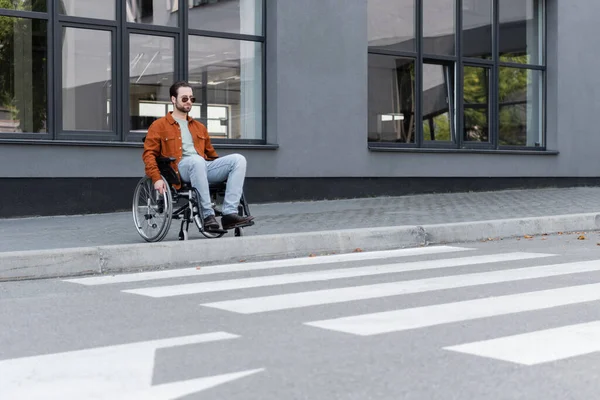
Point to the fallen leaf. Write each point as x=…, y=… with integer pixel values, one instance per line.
x=198, y=267
x=597, y=244
x=312, y=255
x=528, y=237
x=543, y=238
x=560, y=233
x=544, y=234
x=581, y=237
x=242, y=261
x=358, y=250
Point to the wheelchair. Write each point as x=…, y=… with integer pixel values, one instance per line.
x=153, y=212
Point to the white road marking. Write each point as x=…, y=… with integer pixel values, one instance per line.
x=326, y=275
x=255, y=266
x=419, y=317
x=112, y=372
x=340, y=295
x=540, y=346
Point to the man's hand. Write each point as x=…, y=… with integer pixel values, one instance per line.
x=160, y=186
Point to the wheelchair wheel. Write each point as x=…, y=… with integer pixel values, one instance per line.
x=152, y=212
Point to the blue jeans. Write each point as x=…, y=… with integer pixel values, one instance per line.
x=199, y=172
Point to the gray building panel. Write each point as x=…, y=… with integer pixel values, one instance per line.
x=317, y=108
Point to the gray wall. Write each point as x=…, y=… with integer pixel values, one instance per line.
x=317, y=107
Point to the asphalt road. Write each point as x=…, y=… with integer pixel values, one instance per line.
x=504, y=319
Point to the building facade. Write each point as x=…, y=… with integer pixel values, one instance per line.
x=326, y=99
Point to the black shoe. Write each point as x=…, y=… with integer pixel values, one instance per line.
x=210, y=223
x=231, y=221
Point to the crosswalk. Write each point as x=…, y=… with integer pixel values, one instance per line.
x=352, y=271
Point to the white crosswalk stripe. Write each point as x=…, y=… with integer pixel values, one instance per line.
x=272, y=264
x=330, y=296
x=419, y=317
x=438, y=262
x=272, y=280
x=540, y=346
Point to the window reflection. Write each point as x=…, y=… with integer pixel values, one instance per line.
x=233, y=16
x=392, y=24
x=23, y=72
x=476, y=104
x=477, y=28
x=520, y=31
x=88, y=8
x=227, y=81
x=439, y=27
x=391, y=99
x=151, y=73
x=438, y=92
x=24, y=5
x=147, y=12
x=86, y=79
x=520, y=107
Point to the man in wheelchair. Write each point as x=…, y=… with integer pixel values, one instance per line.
x=179, y=136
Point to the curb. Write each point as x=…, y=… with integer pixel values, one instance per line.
x=37, y=264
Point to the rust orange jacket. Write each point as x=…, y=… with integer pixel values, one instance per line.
x=164, y=139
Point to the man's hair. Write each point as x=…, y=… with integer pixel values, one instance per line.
x=175, y=87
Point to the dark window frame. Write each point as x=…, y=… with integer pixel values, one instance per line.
x=120, y=30
x=460, y=62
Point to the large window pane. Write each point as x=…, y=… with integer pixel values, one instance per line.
x=152, y=12
x=521, y=31
x=439, y=27
x=23, y=72
x=392, y=24
x=233, y=16
x=104, y=9
x=86, y=79
x=520, y=107
x=476, y=104
x=227, y=80
x=151, y=73
x=391, y=99
x=477, y=28
x=438, y=92
x=24, y=5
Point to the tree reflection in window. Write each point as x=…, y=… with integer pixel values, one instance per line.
x=476, y=104
x=23, y=83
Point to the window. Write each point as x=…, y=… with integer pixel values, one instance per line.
x=394, y=26
x=438, y=103
x=104, y=9
x=24, y=5
x=228, y=72
x=86, y=80
x=391, y=99
x=144, y=12
x=151, y=73
x=476, y=75
x=23, y=76
x=476, y=103
x=439, y=28
x=233, y=16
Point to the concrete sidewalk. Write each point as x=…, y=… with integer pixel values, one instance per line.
x=71, y=245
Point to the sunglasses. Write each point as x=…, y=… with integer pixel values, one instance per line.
x=185, y=99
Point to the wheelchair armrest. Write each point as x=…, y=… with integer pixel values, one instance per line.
x=165, y=160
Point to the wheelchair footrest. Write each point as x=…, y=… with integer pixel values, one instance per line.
x=220, y=231
x=249, y=223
